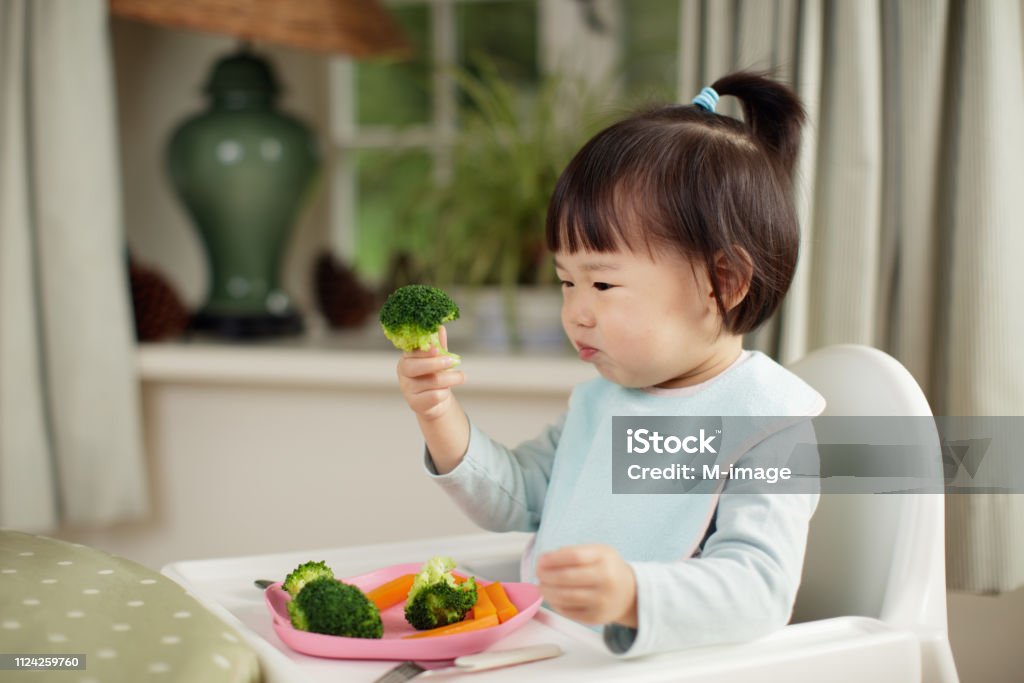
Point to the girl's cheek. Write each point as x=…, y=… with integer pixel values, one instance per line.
x=639, y=329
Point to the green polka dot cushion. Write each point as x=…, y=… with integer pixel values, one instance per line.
x=131, y=623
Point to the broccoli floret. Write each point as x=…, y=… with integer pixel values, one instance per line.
x=298, y=617
x=411, y=315
x=440, y=605
x=305, y=573
x=335, y=608
x=435, y=599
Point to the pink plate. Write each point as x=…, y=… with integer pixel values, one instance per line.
x=525, y=596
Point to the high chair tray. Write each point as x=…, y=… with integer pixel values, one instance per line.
x=859, y=648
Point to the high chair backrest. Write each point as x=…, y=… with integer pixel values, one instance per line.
x=880, y=556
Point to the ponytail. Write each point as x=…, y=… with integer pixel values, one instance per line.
x=772, y=111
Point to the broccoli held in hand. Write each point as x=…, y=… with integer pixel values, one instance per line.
x=325, y=605
x=435, y=599
x=412, y=315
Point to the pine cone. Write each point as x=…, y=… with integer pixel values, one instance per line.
x=341, y=298
x=159, y=311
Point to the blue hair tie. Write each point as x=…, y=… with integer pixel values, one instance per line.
x=707, y=99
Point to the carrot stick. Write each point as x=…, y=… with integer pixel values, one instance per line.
x=392, y=592
x=458, y=627
x=506, y=610
x=484, y=607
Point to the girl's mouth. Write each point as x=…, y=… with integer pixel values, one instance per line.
x=587, y=352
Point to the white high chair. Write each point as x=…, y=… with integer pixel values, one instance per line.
x=878, y=557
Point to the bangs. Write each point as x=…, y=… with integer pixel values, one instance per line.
x=603, y=213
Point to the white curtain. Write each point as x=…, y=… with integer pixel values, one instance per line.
x=910, y=191
x=70, y=434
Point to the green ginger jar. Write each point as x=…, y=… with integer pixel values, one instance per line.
x=243, y=170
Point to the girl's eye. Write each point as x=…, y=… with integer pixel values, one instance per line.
x=602, y=286
x=566, y=283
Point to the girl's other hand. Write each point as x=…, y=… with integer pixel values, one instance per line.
x=425, y=379
x=590, y=584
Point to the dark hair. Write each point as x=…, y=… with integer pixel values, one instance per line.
x=697, y=182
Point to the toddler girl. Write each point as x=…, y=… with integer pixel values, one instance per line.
x=674, y=234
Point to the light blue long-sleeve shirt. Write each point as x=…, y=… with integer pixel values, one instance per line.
x=743, y=582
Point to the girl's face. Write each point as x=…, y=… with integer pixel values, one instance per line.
x=641, y=320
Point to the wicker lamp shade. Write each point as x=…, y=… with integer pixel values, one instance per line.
x=360, y=28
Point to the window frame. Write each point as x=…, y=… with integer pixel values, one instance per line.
x=564, y=41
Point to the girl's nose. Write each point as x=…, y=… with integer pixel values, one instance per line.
x=578, y=313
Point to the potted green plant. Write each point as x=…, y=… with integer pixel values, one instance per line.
x=487, y=219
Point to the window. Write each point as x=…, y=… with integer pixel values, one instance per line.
x=394, y=124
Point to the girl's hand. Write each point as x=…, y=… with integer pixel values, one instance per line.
x=590, y=584
x=425, y=380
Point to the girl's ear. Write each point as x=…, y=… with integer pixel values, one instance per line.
x=734, y=275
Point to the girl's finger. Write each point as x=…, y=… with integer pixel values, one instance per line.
x=444, y=380
x=578, y=576
x=418, y=366
x=442, y=334
x=568, y=556
x=573, y=611
x=429, y=399
x=570, y=597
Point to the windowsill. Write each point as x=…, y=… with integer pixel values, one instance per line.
x=361, y=358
